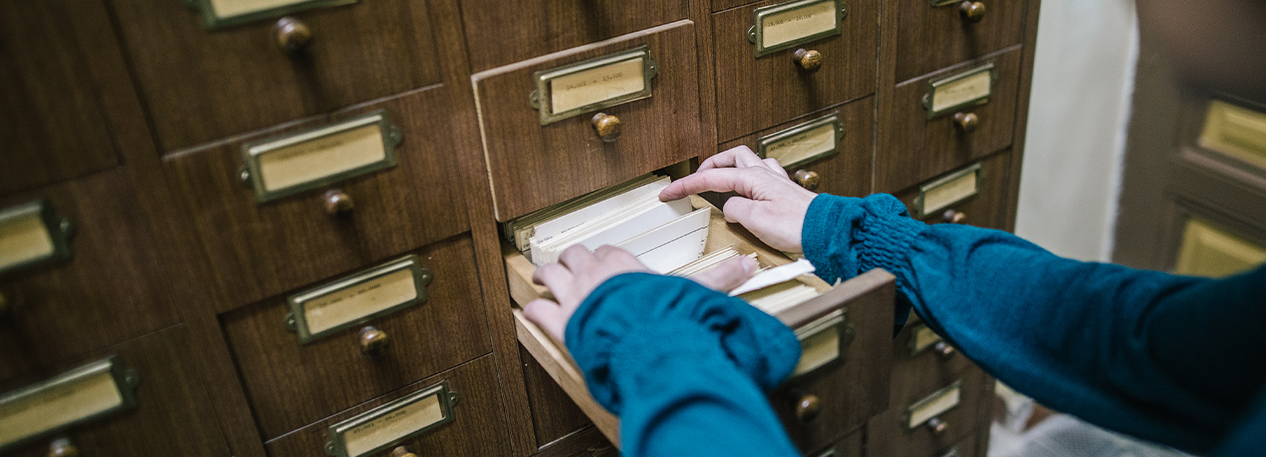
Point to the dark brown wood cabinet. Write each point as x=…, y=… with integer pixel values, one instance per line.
x=218, y=176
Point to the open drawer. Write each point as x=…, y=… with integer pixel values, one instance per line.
x=845, y=331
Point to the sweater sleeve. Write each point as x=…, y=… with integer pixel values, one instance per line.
x=686, y=368
x=1167, y=358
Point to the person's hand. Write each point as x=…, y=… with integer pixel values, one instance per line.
x=769, y=204
x=578, y=272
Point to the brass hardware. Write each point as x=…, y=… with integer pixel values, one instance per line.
x=954, y=217
x=607, y=126
x=404, y=417
x=401, y=451
x=292, y=35
x=966, y=122
x=782, y=14
x=212, y=19
x=338, y=203
x=808, y=61
x=972, y=11
x=373, y=341
x=803, y=143
x=62, y=447
x=963, y=89
x=631, y=64
x=944, y=350
x=810, y=180
x=5, y=303
x=807, y=408
x=937, y=426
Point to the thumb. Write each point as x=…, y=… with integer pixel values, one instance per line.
x=728, y=275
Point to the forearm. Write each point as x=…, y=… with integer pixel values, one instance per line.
x=683, y=366
x=1094, y=340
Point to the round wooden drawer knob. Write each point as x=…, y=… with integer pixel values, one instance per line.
x=807, y=408
x=810, y=180
x=338, y=203
x=373, y=341
x=607, y=126
x=937, y=426
x=401, y=451
x=808, y=61
x=972, y=11
x=62, y=447
x=944, y=350
x=954, y=217
x=966, y=122
x=293, y=36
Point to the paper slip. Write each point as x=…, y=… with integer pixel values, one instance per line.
x=611, y=229
x=557, y=226
x=775, y=275
x=672, y=245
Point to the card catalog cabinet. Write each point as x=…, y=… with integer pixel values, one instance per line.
x=270, y=228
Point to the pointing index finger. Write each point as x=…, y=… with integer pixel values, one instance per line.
x=737, y=180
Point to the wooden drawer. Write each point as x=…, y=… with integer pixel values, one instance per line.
x=754, y=93
x=914, y=147
x=931, y=37
x=291, y=384
x=889, y=432
x=849, y=446
x=477, y=427
x=110, y=285
x=521, y=147
x=500, y=33
x=170, y=413
x=584, y=443
x=202, y=85
x=554, y=415
x=966, y=447
x=847, y=170
x=987, y=207
x=54, y=123
x=262, y=249
x=847, y=390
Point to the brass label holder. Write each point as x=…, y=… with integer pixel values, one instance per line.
x=342, y=444
x=57, y=229
x=832, y=328
x=542, y=99
x=761, y=17
x=213, y=19
x=922, y=338
x=297, y=319
x=787, y=138
x=923, y=207
x=933, y=405
x=943, y=85
x=123, y=382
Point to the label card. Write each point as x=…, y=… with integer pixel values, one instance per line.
x=921, y=338
x=593, y=84
x=933, y=405
x=287, y=165
x=822, y=342
x=80, y=395
x=786, y=25
x=803, y=143
x=947, y=191
x=970, y=88
x=32, y=234
x=357, y=298
x=1235, y=131
x=220, y=13
x=392, y=423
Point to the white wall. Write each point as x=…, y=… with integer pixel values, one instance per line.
x=1082, y=82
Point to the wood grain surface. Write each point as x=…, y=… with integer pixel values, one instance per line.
x=988, y=208
x=291, y=385
x=888, y=435
x=116, y=285
x=262, y=249
x=847, y=173
x=500, y=33
x=478, y=428
x=930, y=38
x=533, y=166
x=913, y=148
x=754, y=93
x=203, y=85
x=173, y=415
x=54, y=126
x=553, y=413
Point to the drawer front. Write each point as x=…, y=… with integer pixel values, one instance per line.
x=920, y=358
x=522, y=147
x=890, y=429
x=914, y=147
x=54, y=125
x=946, y=198
x=848, y=392
x=844, y=171
x=930, y=37
x=109, y=284
x=475, y=425
x=281, y=244
x=755, y=93
x=553, y=413
x=170, y=413
x=291, y=384
x=880, y=442
x=203, y=85
x=848, y=446
x=500, y=33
